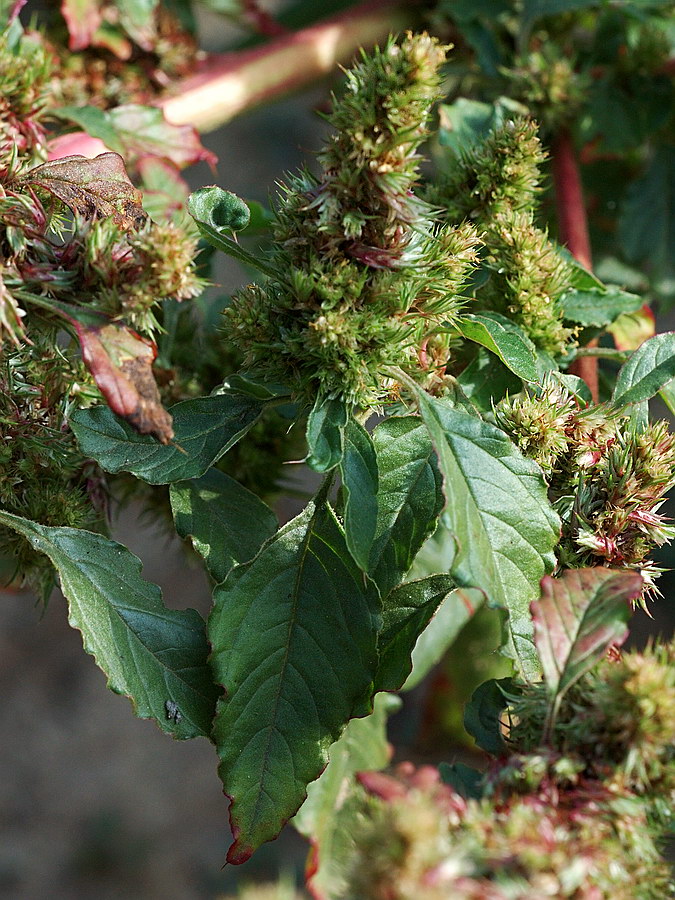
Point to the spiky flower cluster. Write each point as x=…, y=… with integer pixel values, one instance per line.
x=495, y=185
x=364, y=274
x=607, y=479
x=24, y=71
x=616, y=725
x=54, y=262
x=580, y=816
x=422, y=841
x=44, y=476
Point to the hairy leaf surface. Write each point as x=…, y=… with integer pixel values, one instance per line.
x=578, y=616
x=410, y=497
x=294, y=644
x=503, y=338
x=499, y=514
x=204, y=429
x=325, y=433
x=227, y=523
x=647, y=371
x=406, y=612
x=358, y=470
x=155, y=656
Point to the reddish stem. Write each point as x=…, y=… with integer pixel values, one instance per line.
x=573, y=229
x=262, y=21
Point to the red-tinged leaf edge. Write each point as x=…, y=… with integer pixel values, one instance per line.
x=127, y=382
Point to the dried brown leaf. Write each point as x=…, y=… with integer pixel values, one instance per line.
x=92, y=187
x=121, y=362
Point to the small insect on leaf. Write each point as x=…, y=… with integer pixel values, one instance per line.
x=173, y=714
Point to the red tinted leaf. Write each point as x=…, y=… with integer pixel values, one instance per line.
x=577, y=618
x=82, y=17
x=92, y=187
x=121, y=363
x=143, y=131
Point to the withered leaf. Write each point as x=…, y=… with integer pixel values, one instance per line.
x=121, y=362
x=92, y=187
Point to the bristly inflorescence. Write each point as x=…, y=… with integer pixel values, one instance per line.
x=495, y=185
x=607, y=479
x=365, y=274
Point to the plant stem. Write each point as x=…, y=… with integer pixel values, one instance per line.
x=573, y=227
x=593, y=351
x=228, y=84
x=233, y=82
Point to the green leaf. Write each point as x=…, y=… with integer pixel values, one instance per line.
x=218, y=213
x=94, y=121
x=466, y=781
x=294, y=644
x=499, y=514
x=440, y=634
x=155, y=656
x=485, y=381
x=647, y=221
x=503, y=338
x=204, y=429
x=597, y=308
x=577, y=618
x=139, y=132
x=325, y=433
x=482, y=716
x=329, y=816
x=650, y=368
x=410, y=497
x=227, y=523
x=406, y=612
x=358, y=470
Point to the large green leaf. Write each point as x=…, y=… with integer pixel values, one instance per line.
x=406, y=612
x=330, y=814
x=204, y=429
x=650, y=368
x=227, y=523
x=577, y=618
x=499, y=514
x=503, y=338
x=294, y=644
x=597, y=308
x=325, y=433
x=155, y=656
x=410, y=497
x=358, y=470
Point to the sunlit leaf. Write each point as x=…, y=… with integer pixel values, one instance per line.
x=294, y=645
x=499, y=515
x=155, y=656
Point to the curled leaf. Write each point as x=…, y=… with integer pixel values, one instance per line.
x=92, y=187
x=121, y=362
